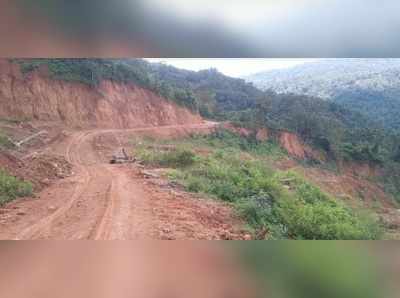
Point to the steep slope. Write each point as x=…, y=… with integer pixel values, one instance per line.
x=371, y=86
x=37, y=96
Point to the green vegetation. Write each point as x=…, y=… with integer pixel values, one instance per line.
x=281, y=203
x=391, y=180
x=12, y=188
x=381, y=105
x=227, y=140
x=88, y=71
x=13, y=120
x=174, y=158
x=5, y=142
x=341, y=133
x=216, y=93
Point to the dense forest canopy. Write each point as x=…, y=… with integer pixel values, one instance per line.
x=221, y=93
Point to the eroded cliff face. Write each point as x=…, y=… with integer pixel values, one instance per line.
x=289, y=141
x=110, y=105
x=297, y=148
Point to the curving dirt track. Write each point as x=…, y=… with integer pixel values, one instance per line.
x=103, y=201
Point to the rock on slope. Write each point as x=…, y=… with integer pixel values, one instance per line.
x=110, y=105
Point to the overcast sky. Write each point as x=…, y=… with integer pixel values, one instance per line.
x=285, y=28
x=201, y=28
x=234, y=67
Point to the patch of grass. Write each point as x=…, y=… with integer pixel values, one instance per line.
x=225, y=139
x=178, y=158
x=11, y=120
x=300, y=210
x=283, y=203
x=5, y=143
x=12, y=188
x=328, y=165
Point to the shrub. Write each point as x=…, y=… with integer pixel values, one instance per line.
x=11, y=188
x=176, y=158
x=303, y=211
x=362, y=153
x=257, y=210
x=309, y=213
x=194, y=185
x=228, y=141
x=324, y=220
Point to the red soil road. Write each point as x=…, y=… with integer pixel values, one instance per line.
x=104, y=201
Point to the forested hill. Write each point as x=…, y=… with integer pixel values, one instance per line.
x=216, y=93
x=340, y=131
x=370, y=86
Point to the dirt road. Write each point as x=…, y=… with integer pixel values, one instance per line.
x=102, y=201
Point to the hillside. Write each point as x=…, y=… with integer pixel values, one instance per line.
x=370, y=86
x=37, y=95
x=280, y=166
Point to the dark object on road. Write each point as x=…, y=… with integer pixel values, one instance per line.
x=120, y=156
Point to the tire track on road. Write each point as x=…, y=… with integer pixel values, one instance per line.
x=45, y=223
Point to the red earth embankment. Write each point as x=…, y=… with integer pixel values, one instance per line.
x=110, y=105
x=289, y=141
x=41, y=170
x=293, y=144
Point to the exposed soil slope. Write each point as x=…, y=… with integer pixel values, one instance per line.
x=40, y=170
x=289, y=141
x=110, y=105
x=295, y=147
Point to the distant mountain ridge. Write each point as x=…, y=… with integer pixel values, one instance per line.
x=370, y=86
x=330, y=74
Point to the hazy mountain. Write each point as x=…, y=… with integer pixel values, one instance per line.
x=371, y=86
